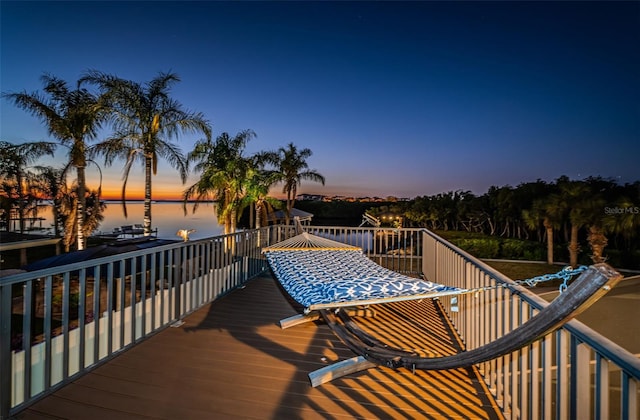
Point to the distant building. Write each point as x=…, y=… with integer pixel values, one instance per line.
x=350, y=199
x=280, y=216
x=310, y=197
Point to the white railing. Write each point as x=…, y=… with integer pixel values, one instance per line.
x=397, y=249
x=59, y=322
x=572, y=373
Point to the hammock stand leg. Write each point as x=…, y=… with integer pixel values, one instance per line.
x=339, y=369
x=292, y=321
x=298, y=319
x=361, y=312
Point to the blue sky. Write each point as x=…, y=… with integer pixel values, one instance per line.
x=393, y=98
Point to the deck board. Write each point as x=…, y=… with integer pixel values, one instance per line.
x=231, y=360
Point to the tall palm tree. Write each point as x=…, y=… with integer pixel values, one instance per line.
x=14, y=162
x=146, y=121
x=576, y=196
x=548, y=212
x=73, y=116
x=52, y=184
x=533, y=218
x=258, y=185
x=292, y=167
x=224, y=170
x=626, y=220
x=68, y=207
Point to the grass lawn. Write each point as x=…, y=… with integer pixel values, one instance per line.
x=524, y=270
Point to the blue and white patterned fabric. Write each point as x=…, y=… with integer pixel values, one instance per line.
x=320, y=279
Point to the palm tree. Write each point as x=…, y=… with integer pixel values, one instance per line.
x=52, y=184
x=625, y=221
x=601, y=191
x=224, y=171
x=576, y=197
x=72, y=116
x=533, y=218
x=258, y=184
x=14, y=160
x=146, y=120
x=548, y=212
x=292, y=167
x=68, y=207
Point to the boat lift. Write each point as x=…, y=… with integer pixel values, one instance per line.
x=372, y=220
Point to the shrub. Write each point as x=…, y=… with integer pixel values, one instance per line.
x=629, y=259
x=480, y=248
x=517, y=249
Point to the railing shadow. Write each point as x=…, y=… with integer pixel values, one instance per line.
x=376, y=393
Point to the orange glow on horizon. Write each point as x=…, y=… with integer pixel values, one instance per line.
x=137, y=196
x=161, y=190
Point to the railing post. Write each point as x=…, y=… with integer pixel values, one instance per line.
x=601, y=388
x=177, y=283
x=580, y=379
x=5, y=351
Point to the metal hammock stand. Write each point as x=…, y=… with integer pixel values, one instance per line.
x=299, y=278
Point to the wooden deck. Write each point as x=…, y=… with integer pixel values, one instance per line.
x=230, y=360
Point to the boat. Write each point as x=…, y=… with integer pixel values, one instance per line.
x=125, y=231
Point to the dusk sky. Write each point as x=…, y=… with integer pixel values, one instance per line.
x=393, y=98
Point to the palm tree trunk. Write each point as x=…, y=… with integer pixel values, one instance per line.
x=251, y=216
x=56, y=224
x=259, y=206
x=258, y=212
x=574, y=247
x=549, y=228
x=597, y=241
x=82, y=202
x=232, y=220
x=287, y=213
x=549, y=246
x=146, y=222
x=291, y=199
x=21, y=202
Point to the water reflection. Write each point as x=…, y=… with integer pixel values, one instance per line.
x=167, y=217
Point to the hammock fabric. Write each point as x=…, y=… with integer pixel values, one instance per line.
x=319, y=273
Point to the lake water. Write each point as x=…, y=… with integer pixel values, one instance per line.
x=167, y=217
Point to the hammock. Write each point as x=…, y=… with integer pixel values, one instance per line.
x=322, y=274
x=319, y=273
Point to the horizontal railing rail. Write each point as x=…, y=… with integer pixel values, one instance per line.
x=573, y=373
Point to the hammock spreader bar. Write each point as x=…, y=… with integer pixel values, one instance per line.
x=308, y=242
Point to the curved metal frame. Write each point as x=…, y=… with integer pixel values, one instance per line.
x=583, y=292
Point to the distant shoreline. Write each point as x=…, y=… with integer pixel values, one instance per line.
x=158, y=201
